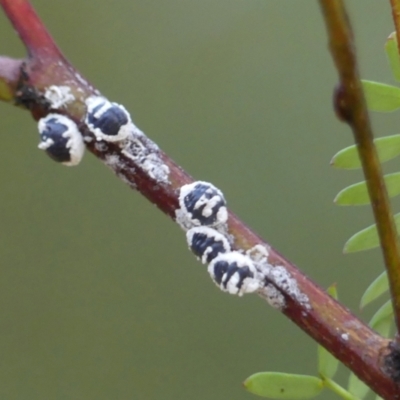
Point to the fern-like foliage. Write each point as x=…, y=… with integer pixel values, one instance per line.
x=277, y=385
x=384, y=98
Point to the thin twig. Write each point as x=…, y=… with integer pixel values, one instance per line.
x=305, y=303
x=351, y=107
x=395, y=5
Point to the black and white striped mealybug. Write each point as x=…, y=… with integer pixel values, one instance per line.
x=201, y=203
x=206, y=243
x=107, y=121
x=61, y=139
x=234, y=273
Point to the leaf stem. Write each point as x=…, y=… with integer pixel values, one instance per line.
x=351, y=108
x=395, y=5
x=339, y=390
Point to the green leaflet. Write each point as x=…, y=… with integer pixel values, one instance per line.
x=327, y=363
x=276, y=385
x=339, y=390
x=357, y=387
x=6, y=92
x=383, y=326
x=380, y=96
x=393, y=55
x=386, y=311
x=366, y=239
x=357, y=194
x=379, y=286
x=332, y=291
x=387, y=147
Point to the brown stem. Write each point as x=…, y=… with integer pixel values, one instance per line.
x=395, y=4
x=351, y=107
x=305, y=303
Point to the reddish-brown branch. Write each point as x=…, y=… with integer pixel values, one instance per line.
x=321, y=317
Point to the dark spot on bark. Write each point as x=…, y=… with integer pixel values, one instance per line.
x=391, y=362
x=340, y=104
x=27, y=95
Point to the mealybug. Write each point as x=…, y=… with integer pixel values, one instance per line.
x=61, y=139
x=206, y=243
x=107, y=121
x=234, y=273
x=202, y=204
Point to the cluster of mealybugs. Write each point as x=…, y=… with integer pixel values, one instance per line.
x=202, y=211
x=62, y=140
x=203, y=208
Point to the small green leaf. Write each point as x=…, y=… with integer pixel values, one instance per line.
x=332, y=291
x=386, y=311
x=357, y=387
x=357, y=194
x=384, y=325
x=379, y=286
x=381, y=97
x=388, y=147
x=366, y=239
x=6, y=92
x=392, y=53
x=327, y=363
x=339, y=390
x=276, y=385
x=362, y=240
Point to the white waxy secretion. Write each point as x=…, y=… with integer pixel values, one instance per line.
x=207, y=243
x=274, y=297
x=107, y=121
x=234, y=273
x=61, y=139
x=59, y=96
x=280, y=276
x=146, y=155
x=201, y=204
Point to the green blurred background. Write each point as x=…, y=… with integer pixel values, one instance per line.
x=99, y=296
